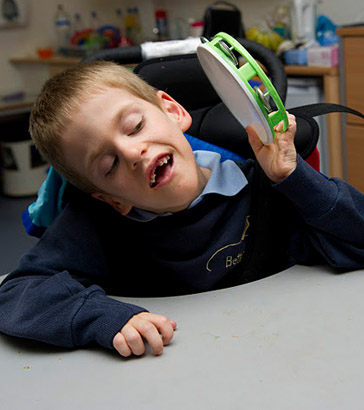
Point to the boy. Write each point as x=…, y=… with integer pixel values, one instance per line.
x=155, y=218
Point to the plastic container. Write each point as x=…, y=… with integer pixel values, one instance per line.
x=296, y=57
x=44, y=52
x=62, y=24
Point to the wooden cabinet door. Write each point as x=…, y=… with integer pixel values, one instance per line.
x=355, y=151
x=354, y=76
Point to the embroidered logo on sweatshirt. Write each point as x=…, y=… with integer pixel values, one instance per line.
x=230, y=254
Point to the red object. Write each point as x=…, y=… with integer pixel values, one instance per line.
x=161, y=14
x=44, y=52
x=125, y=42
x=314, y=159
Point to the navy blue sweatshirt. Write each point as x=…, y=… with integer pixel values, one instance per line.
x=58, y=293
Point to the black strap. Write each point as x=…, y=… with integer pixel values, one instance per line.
x=313, y=110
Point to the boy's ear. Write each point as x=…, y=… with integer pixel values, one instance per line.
x=172, y=107
x=121, y=206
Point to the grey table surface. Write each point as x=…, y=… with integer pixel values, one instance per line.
x=290, y=341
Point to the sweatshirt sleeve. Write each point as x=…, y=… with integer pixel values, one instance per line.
x=333, y=214
x=60, y=311
x=56, y=294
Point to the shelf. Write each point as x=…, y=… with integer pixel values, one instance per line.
x=14, y=107
x=350, y=31
x=310, y=71
x=55, y=60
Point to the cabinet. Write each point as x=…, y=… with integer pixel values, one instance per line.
x=352, y=64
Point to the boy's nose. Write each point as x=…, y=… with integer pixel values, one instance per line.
x=133, y=152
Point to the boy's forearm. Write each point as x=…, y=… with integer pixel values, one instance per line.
x=310, y=191
x=333, y=212
x=60, y=311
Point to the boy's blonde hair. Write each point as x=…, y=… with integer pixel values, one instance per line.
x=63, y=94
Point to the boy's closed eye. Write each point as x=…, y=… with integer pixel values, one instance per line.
x=131, y=123
x=113, y=167
x=115, y=162
x=137, y=127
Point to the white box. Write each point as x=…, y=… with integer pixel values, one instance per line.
x=326, y=56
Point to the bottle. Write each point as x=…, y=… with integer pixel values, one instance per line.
x=132, y=25
x=77, y=24
x=161, y=25
x=196, y=29
x=62, y=24
x=95, y=40
x=138, y=27
x=124, y=41
x=119, y=22
x=76, y=30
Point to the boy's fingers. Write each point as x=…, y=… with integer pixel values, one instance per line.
x=291, y=123
x=164, y=326
x=279, y=127
x=133, y=339
x=149, y=331
x=157, y=330
x=121, y=345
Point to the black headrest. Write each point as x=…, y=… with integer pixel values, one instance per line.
x=182, y=77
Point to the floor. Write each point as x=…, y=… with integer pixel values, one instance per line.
x=14, y=241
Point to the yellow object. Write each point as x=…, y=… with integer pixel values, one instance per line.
x=268, y=38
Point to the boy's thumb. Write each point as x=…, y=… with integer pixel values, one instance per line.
x=254, y=139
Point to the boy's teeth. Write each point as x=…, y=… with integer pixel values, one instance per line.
x=161, y=162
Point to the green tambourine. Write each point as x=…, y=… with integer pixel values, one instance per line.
x=248, y=104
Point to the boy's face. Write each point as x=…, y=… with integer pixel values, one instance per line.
x=134, y=152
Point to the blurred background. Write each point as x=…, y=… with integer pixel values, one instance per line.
x=35, y=27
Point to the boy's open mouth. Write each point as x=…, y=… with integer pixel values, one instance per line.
x=161, y=170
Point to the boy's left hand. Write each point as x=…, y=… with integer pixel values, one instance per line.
x=279, y=159
x=143, y=327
